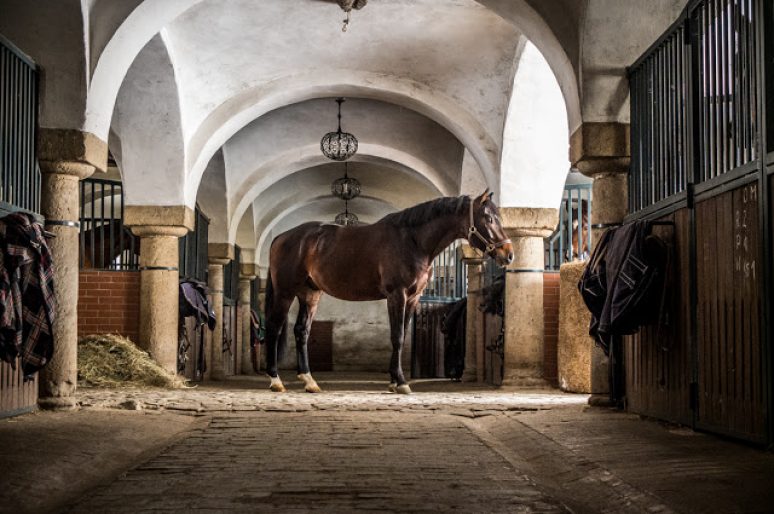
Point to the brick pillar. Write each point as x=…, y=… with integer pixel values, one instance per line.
x=524, y=315
x=65, y=158
x=218, y=255
x=159, y=229
x=247, y=272
x=474, y=317
x=602, y=151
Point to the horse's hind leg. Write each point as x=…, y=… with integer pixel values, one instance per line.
x=307, y=308
x=276, y=318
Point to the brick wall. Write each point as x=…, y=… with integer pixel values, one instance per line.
x=551, y=324
x=109, y=302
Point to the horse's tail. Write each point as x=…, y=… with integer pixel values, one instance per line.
x=282, y=336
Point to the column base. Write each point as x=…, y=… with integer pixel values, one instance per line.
x=600, y=400
x=526, y=382
x=58, y=403
x=470, y=375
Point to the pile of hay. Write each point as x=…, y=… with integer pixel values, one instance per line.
x=108, y=360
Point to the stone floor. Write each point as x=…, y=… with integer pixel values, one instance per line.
x=235, y=447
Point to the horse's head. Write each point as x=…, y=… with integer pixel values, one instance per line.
x=486, y=231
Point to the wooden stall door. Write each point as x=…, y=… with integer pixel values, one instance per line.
x=229, y=339
x=427, y=348
x=658, y=359
x=320, y=346
x=730, y=365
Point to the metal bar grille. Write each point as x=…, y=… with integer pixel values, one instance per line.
x=724, y=128
x=572, y=238
x=193, y=249
x=449, y=276
x=19, y=173
x=105, y=242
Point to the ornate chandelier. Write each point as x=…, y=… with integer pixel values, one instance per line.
x=346, y=218
x=347, y=6
x=346, y=187
x=338, y=146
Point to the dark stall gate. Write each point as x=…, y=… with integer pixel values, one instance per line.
x=232, y=333
x=702, y=159
x=447, y=285
x=192, y=253
x=19, y=187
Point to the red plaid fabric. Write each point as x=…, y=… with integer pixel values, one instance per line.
x=27, y=303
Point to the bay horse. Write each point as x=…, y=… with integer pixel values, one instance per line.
x=389, y=259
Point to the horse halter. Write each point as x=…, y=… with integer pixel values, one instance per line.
x=473, y=231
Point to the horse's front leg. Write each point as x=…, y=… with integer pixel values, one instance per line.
x=396, y=307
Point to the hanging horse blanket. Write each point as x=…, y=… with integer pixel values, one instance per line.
x=193, y=302
x=623, y=283
x=27, y=303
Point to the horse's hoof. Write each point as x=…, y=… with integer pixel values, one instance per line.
x=313, y=388
x=277, y=388
x=403, y=389
x=393, y=387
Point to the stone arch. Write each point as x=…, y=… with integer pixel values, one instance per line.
x=227, y=119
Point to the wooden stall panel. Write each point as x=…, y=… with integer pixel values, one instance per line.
x=657, y=359
x=730, y=367
x=229, y=339
x=320, y=346
x=16, y=395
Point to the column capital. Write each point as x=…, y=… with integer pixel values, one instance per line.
x=70, y=152
x=220, y=253
x=529, y=221
x=248, y=270
x=472, y=255
x=601, y=148
x=159, y=220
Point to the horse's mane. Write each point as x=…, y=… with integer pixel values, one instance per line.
x=424, y=212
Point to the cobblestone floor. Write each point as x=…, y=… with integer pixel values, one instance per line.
x=448, y=447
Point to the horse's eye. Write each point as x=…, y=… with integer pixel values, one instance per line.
x=488, y=218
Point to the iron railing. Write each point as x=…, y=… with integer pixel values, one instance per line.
x=19, y=172
x=192, y=252
x=449, y=281
x=694, y=98
x=572, y=238
x=105, y=243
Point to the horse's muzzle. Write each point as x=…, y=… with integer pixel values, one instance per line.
x=503, y=256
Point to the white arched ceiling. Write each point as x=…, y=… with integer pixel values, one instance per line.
x=213, y=199
x=535, y=159
x=245, y=238
x=368, y=210
x=400, y=188
x=147, y=121
x=310, y=156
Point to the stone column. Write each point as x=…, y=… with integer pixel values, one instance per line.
x=218, y=255
x=602, y=151
x=247, y=273
x=473, y=260
x=65, y=157
x=159, y=228
x=524, y=331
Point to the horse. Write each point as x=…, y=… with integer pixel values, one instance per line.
x=582, y=216
x=388, y=259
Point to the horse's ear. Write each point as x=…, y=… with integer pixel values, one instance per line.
x=485, y=196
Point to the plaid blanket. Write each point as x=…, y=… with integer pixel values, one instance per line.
x=27, y=303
